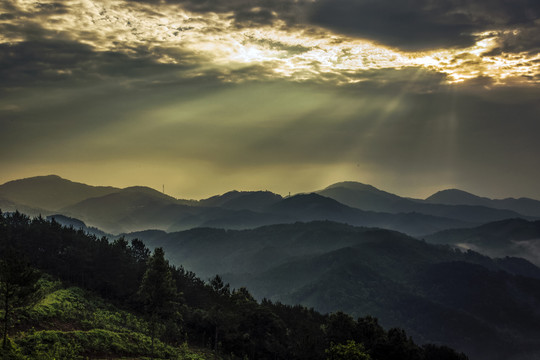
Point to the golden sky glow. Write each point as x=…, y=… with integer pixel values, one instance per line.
x=174, y=35
x=284, y=95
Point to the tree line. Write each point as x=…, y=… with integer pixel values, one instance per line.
x=183, y=308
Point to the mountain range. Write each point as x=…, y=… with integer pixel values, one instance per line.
x=197, y=319
x=486, y=307
x=138, y=208
x=460, y=207
x=454, y=197
x=511, y=237
x=348, y=247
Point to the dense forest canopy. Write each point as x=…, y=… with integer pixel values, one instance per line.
x=206, y=314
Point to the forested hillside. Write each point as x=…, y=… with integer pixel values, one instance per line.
x=510, y=237
x=484, y=307
x=116, y=299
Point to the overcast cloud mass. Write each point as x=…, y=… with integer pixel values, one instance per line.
x=208, y=96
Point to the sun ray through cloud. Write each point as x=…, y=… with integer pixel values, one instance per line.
x=172, y=35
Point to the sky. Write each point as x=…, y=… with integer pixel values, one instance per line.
x=204, y=97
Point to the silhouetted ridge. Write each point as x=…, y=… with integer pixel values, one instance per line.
x=511, y=237
x=139, y=208
x=457, y=197
x=369, y=198
x=309, y=202
x=525, y=206
x=67, y=221
x=243, y=200
x=144, y=190
x=353, y=185
x=50, y=192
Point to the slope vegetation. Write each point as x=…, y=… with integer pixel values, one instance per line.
x=71, y=323
x=484, y=307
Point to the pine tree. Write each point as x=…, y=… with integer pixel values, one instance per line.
x=349, y=351
x=18, y=284
x=157, y=290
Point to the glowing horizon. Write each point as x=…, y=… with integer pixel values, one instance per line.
x=289, y=95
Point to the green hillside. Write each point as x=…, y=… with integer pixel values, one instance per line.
x=116, y=300
x=71, y=323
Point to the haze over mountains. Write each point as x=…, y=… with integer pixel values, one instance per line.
x=50, y=192
x=460, y=207
x=138, y=208
x=484, y=307
x=337, y=250
x=454, y=197
x=511, y=237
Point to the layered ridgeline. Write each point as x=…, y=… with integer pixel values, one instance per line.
x=102, y=299
x=459, y=197
x=454, y=204
x=485, y=307
x=138, y=208
x=511, y=237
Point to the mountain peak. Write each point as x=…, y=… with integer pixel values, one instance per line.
x=352, y=185
x=309, y=203
x=36, y=179
x=50, y=192
x=143, y=189
x=361, y=196
x=456, y=197
x=251, y=200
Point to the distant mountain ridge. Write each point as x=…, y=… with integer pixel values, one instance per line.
x=318, y=250
x=367, y=197
x=357, y=194
x=242, y=200
x=511, y=237
x=50, y=192
x=76, y=224
x=137, y=208
x=524, y=206
x=457, y=197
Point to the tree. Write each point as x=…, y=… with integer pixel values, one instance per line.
x=139, y=251
x=340, y=327
x=349, y=351
x=157, y=290
x=219, y=286
x=437, y=352
x=18, y=285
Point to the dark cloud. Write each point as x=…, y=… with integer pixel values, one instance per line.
x=411, y=80
x=7, y=16
x=50, y=8
x=46, y=60
x=62, y=101
x=526, y=39
x=248, y=12
x=409, y=25
x=13, y=12
x=40, y=62
x=423, y=24
x=255, y=16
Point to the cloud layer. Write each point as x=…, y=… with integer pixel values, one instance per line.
x=301, y=40
x=412, y=95
x=425, y=24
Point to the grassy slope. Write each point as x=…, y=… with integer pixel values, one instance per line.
x=70, y=323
